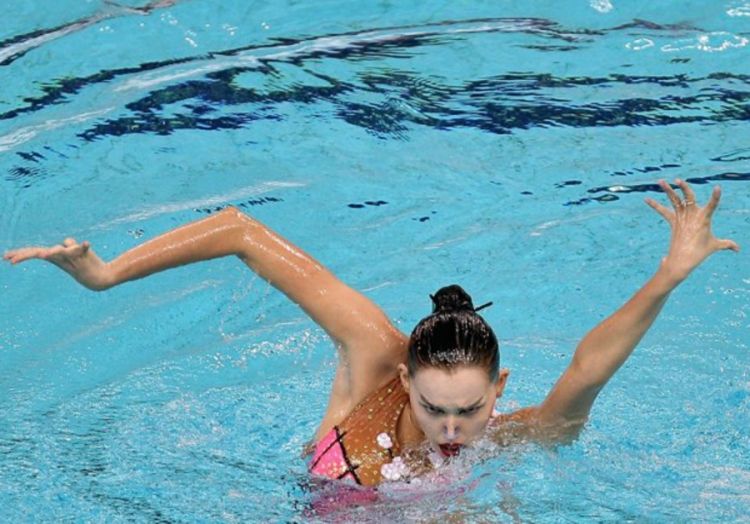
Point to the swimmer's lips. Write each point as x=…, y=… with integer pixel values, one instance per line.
x=450, y=450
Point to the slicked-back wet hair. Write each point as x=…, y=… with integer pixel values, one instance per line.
x=453, y=335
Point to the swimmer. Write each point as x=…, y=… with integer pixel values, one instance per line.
x=398, y=402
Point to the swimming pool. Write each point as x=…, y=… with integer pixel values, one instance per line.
x=502, y=146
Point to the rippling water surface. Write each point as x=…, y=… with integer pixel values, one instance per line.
x=407, y=145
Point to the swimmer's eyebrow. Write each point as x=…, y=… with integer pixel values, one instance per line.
x=475, y=405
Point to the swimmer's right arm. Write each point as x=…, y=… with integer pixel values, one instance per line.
x=349, y=317
x=202, y=240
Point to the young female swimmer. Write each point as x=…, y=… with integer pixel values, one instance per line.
x=392, y=393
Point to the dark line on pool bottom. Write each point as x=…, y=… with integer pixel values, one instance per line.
x=490, y=105
x=611, y=192
x=244, y=204
x=539, y=26
x=384, y=121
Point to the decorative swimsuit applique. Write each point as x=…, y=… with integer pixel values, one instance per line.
x=395, y=470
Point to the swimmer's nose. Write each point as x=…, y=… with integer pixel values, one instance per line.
x=450, y=429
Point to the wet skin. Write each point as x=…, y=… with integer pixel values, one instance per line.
x=452, y=408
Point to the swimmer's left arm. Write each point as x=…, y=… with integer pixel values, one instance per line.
x=605, y=348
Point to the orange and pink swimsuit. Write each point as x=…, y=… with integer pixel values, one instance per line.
x=364, y=447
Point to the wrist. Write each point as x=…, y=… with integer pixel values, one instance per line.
x=100, y=279
x=670, y=274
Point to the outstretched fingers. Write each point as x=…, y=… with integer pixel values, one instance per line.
x=77, y=250
x=25, y=253
x=713, y=202
x=687, y=191
x=671, y=194
x=69, y=247
x=662, y=210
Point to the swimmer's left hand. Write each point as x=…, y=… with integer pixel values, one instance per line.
x=692, y=240
x=606, y=347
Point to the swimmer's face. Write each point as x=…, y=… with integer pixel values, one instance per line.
x=452, y=407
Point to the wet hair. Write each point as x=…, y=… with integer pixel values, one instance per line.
x=453, y=335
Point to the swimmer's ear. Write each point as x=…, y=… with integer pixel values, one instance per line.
x=502, y=378
x=403, y=374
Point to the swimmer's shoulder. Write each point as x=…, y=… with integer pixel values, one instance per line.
x=527, y=424
x=526, y=416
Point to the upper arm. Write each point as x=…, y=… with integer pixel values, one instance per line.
x=357, y=325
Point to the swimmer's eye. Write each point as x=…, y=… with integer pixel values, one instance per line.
x=432, y=410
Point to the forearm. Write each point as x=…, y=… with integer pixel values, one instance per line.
x=213, y=237
x=605, y=348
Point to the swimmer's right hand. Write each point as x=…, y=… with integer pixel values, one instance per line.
x=78, y=260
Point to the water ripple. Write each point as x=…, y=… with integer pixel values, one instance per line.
x=212, y=96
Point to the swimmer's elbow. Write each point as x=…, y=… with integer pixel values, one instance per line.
x=235, y=216
x=241, y=228
x=232, y=212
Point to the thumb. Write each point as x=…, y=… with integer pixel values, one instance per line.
x=728, y=244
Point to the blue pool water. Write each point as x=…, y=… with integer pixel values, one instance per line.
x=407, y=145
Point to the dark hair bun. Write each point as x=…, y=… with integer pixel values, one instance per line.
x=451, y=299
x=453, y=335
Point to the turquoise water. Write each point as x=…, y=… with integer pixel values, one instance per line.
x=502, y=146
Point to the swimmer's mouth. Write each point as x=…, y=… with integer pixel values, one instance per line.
x=450, y=450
